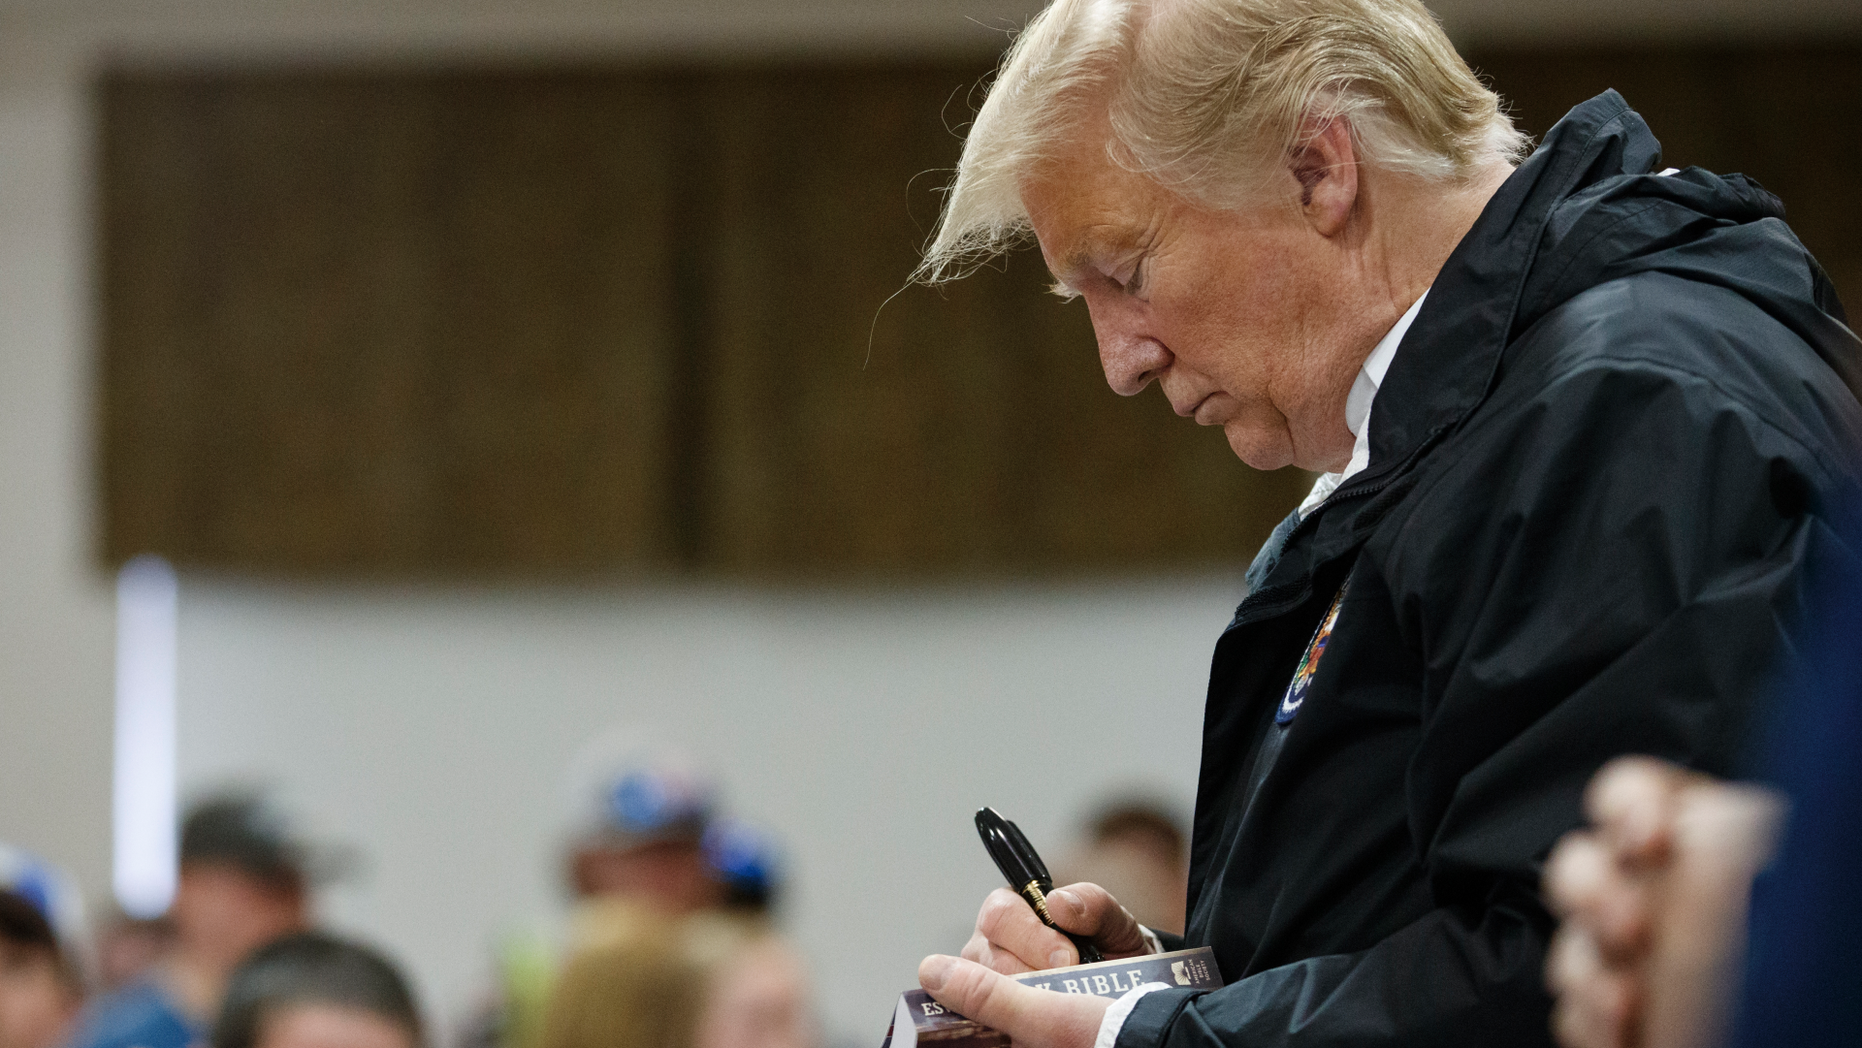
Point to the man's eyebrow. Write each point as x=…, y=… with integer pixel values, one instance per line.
x=1061, y=286
x=1077, y=260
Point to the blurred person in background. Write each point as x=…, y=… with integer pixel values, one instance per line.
x=638, y=977
x=644, y=835
x=41, y=942
x=639, y=834
x=1139, y=851
x=311, y=990
x=243, y=883
x=128, y=947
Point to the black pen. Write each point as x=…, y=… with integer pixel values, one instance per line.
x=1027, y=874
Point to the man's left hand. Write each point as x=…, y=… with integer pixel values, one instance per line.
x=1032, y=1018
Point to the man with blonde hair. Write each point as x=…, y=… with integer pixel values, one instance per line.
x=1579, y=420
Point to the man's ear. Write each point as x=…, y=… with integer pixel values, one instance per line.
x=1326, y=168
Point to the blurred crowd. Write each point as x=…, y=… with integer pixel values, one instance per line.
x=672, y=944
x=671, y=941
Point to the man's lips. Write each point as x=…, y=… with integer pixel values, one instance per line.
x=1189, y=408
x=1214, y=409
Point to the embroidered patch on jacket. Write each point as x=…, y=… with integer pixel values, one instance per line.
x=1309, y=663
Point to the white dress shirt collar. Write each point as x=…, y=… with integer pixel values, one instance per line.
x=1358, y=407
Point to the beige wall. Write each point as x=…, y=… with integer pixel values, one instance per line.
x=55, y=606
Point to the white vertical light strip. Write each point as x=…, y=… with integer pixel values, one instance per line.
x=145, y=867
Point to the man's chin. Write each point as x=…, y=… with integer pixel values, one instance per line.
x=1259, y=450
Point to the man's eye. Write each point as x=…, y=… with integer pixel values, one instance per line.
x=1129, y=283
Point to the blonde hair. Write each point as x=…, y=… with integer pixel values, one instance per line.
x=1207, y=96
x=638, y=978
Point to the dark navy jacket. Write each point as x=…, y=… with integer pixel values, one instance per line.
x=1603, y=464
x=1803, y=972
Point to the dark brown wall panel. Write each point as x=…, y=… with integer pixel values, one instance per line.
x=559, y=336
x=593, y=322
x=609, y=321
x=386, y=323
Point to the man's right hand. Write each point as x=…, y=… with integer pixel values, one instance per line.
x=1011, y=939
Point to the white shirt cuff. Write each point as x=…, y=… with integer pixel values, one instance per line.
x=1116, y=1015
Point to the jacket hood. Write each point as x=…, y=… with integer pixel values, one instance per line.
x=1622, y=218
x=1586, y=208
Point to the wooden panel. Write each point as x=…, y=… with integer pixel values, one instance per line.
x=560, y=333
x=393, y=323
x=548, y=324
x=974, y=431
x=1788, y=116
x=562, y=323
x=231, y=322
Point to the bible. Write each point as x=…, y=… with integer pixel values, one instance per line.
x=919, y=1019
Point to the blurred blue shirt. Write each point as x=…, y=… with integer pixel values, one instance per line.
x=141, y=1015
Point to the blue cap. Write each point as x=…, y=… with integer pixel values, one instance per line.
x=48, y=890
x=745, y=858
x=655, y=802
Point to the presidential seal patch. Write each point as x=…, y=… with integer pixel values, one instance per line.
x=1309, y=663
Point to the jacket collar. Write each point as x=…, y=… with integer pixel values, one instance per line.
x=1451, y=355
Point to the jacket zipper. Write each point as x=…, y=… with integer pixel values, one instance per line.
x=1299, y=589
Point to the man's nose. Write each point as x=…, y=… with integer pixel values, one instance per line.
x=1131, y=361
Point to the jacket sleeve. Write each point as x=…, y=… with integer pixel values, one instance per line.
x=1428, y=984
x=1609, y=567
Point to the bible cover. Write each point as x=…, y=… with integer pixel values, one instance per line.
x=920, y=1020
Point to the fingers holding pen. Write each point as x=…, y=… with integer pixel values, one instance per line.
x=993, y=957
x=1088, y=910
x=1010, y=938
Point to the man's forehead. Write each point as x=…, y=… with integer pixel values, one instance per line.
x=1083, y=221
x=1084, y=207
